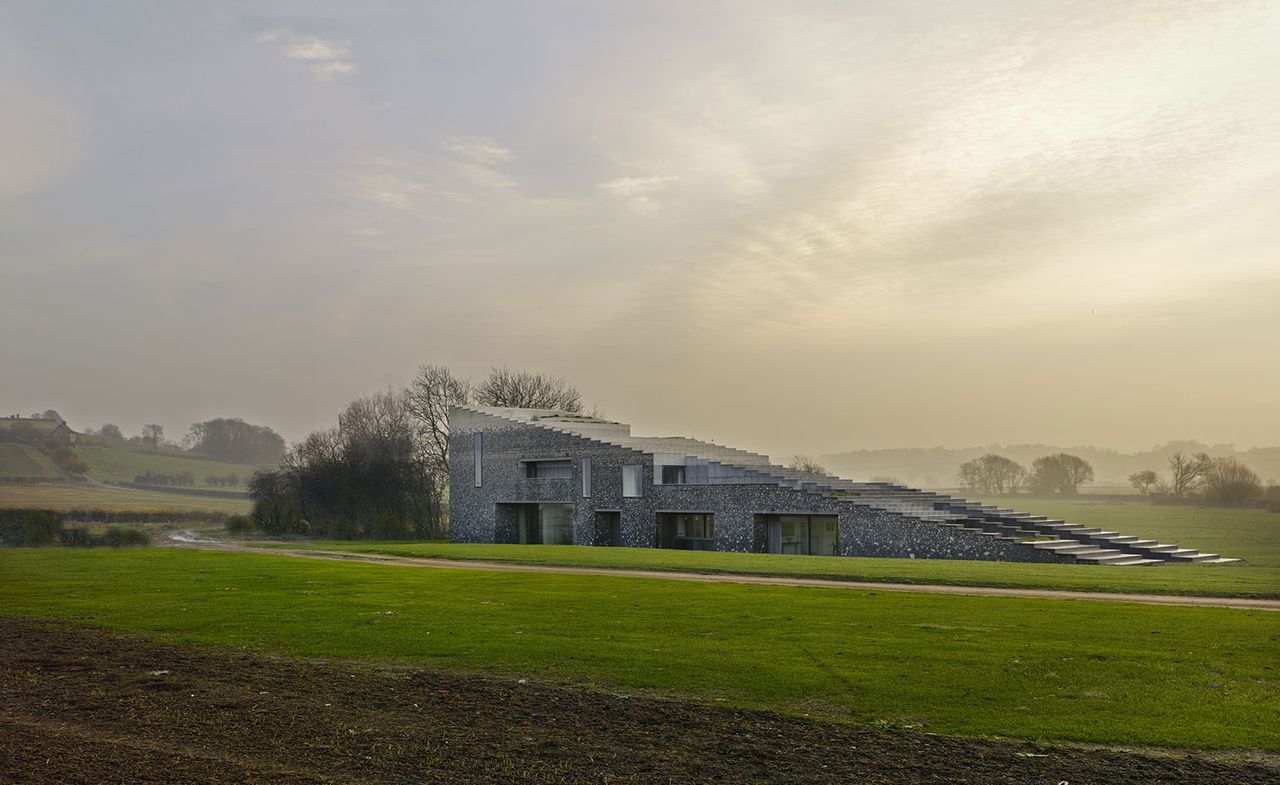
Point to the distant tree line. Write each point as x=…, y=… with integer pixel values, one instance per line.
x=1060, y=474
x=233, y=440
x=156, y=478
x=1223, y=480
x=383, y=472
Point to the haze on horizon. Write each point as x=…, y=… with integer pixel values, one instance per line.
x=826, y=227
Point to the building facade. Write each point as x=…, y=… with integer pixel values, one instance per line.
x=543, y=477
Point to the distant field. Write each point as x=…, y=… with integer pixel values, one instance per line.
x=85, y=496
x=1108, y=672
x=120, y=464
x=24, y=462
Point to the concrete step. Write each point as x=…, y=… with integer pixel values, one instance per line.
x=1102, y=556
x=1134, y=561
x=1191, y=556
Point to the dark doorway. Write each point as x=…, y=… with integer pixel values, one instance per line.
x=608, y=528
x=537, y=524
x=687, y=531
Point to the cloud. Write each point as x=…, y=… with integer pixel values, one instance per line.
x=637, y=191
x=326, y=58
x=368, y=231
x=387, y=187
x=480, y=149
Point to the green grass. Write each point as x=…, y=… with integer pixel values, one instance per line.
x=121, y=464
x=1038, y=669
x=25, y=462
x=1210, y=580
x=85, y=496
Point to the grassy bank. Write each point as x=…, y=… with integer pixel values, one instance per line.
x=120, y=464
x=86, y=496
x=1039, y=669
x=1220, y=581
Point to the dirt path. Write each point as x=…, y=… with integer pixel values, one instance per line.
x=90, y=706
x=188, y=540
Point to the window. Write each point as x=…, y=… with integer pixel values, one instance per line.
x=673, y=475
x=815, y=535
x=478, y=448
x=548, y=470
x=546, y=524
x=586, y=478
x=687, y=531
x=631, y=480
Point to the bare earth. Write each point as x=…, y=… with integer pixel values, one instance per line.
x=88, y=706
x=186, y=540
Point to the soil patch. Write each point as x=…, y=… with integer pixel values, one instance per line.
x=88, y=706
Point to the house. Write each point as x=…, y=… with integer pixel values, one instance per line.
x=536, y=476
x=37, y=427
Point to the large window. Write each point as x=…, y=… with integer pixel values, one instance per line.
x=673, y=475
x=586, y=478
x=546, y=524
x=813, y=535
x=687, y=531
x=548, y=470
x=632, y=480
x=477, y=442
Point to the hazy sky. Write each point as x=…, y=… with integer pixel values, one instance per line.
x=784, y=226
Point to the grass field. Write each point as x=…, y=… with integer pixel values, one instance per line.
x=25, y=462
x=1253, y=534
x=120, y=464
x=1036, y=669
x=1224, y=581
x=85, y=496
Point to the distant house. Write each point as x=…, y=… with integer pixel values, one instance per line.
x=535, y=476
x=35, y=427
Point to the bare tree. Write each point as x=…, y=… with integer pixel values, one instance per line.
x=1144, y=481
x=1188, y=472
x=526, y=390
x=1229, y=481
x=430, y=396
x=153, y=434
x=992, y=474
x=110, y=433
x=803, y=463
x=1061, y=473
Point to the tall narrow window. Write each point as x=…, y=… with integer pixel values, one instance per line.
x=478, y=441
x=631, y=476
x=586, y=478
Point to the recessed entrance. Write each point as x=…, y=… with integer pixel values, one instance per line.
x=540, y=524
x=687, y=531
x=809, y=535
x=608, y=527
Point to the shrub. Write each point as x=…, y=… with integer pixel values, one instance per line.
x=117, y=536
x=240, y=524
x=30, y=527
x=1228, y=481
x=76, y=537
